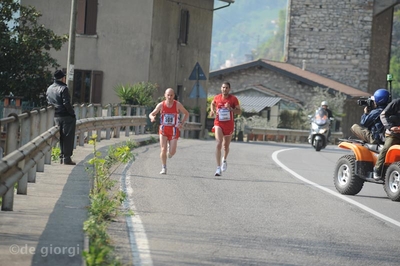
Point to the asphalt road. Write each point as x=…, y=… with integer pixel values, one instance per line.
x=275, y=205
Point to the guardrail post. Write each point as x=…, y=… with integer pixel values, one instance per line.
x=12, y=130
x=34, y=133
x=137, y=128
x=128, y=113
x=78, y=115
x=143, y=127
x=99, y=113
x=42, y=129
x=50, y=124
x=11, y=145
x=117, y=130
x=82, y=134
x=109, y=114
x=22, y=187
x=90, y=114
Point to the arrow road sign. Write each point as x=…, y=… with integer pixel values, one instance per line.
x=197, y=73
x=197, y=91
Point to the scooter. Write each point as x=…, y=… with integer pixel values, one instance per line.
x=320, y=126
x=352, y=171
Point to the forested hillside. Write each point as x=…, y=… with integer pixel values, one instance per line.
x=238, y=30
x=395, y=54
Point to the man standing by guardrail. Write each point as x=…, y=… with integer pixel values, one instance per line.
x=64, y=116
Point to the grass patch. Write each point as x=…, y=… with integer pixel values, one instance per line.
x=104, y=203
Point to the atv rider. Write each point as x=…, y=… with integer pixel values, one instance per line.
x=392, y=134
x=370, y=129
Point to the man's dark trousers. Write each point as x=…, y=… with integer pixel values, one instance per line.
x=67, y=126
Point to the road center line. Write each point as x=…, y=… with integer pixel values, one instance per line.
x=334, y=193
x=137, y=235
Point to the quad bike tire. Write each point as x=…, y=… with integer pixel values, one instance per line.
x=392, y=182
x=344, y=178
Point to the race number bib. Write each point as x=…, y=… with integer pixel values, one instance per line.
x=169, y=120
x=224, y=114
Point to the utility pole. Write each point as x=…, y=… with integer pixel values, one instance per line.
x=71, y=50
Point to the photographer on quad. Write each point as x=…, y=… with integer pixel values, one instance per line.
x=370, y=129
x=390, y=118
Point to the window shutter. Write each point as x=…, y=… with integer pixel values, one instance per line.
x=97, y=86
x=184, y=27
x=91, y=17
x=80, y=16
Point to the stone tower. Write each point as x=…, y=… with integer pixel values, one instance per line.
x=345, y=40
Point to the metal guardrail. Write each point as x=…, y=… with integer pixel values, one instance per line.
x=29, y=137
x=282, y=134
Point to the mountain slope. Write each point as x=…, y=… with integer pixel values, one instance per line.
x=241, y=28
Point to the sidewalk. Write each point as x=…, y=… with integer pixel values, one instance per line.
x=45, y=227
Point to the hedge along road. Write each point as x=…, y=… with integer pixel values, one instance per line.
x=275, y=205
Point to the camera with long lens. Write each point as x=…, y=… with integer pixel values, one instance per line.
x=366, y=102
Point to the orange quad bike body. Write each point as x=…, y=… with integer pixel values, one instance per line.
x=354, y=169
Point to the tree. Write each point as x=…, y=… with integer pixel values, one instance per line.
x=395, y=54
x=26, y=65
x=273, y=48
x=335, y=101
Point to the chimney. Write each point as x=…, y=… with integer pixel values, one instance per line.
x=304, y=65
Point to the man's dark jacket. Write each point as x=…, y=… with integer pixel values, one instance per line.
x=58, y=96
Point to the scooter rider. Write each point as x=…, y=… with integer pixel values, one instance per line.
x=392, y=134
x=370, y=129
x=324, y=104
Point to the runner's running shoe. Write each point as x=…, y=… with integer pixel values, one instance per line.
x=218, y=172
x=224, y=165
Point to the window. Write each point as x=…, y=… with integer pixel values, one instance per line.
x=184, y=27
x=87, y=86
x=86, y=17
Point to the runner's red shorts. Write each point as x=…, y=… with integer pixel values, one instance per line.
x=169, y=132
x=227, y=128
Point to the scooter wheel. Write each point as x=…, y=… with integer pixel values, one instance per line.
x=344, y=178
x=392, y=182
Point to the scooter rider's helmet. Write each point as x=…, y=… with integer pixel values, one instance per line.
x=324, y=103
x=381, y=97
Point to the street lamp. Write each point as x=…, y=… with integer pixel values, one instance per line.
x=71, y=50
x=226, y=1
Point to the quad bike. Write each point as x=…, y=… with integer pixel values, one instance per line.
x=352, y=171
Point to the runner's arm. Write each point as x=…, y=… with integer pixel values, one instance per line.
x=156, y=110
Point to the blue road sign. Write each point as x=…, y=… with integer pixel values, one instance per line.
x=197, y=91
x=197, y=73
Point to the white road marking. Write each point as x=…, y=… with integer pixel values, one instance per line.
x=137, y=235
x=334, y=193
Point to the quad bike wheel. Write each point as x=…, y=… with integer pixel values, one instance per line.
x=344, y=178
x=392, y=182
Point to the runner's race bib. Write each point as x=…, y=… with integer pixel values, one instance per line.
x=224, y=114
x=169, y=120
